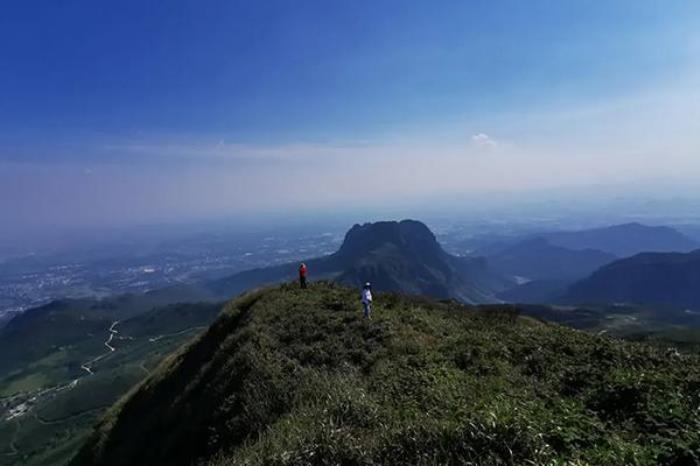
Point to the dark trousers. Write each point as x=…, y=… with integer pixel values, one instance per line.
x=302, y=281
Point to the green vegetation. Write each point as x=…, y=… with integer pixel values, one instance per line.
x=287, y=376
x=65, y=400
x=29, y=382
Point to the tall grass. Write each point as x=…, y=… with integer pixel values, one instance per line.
x=294, y=377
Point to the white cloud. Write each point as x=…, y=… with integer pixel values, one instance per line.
x=483, y=140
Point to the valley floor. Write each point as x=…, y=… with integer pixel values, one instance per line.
x=48, y=409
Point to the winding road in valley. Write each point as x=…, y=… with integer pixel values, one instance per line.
x=26, y=403
x=112, y=332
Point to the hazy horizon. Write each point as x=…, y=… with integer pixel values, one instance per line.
x=140, y=113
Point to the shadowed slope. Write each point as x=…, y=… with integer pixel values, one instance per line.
x=668, y=280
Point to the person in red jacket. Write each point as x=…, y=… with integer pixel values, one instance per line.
x=302, y=275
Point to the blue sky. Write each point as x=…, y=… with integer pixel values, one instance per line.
x=130, y=111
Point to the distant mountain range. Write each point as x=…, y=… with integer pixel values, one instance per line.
x=669, y=280
x=544, y=265
x=631, y=263
x=395, y=256
x=618, y=240
x=539, y=259
x=406, y=257
x=624, y=240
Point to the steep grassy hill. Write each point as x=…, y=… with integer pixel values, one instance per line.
x=289, y=376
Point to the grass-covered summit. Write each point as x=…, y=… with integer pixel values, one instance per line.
x=289, y=376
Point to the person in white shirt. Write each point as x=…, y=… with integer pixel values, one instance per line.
x=367, y=300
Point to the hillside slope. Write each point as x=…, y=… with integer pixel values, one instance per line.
x=668, y=280
x=289, y=376
x=38, y=332
x=51, y=400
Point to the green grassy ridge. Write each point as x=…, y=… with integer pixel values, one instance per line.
x=288, y=376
